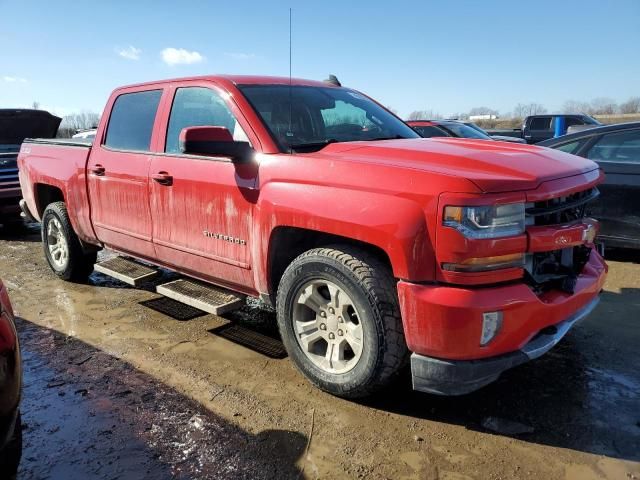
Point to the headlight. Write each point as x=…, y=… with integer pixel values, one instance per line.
x=492, y=221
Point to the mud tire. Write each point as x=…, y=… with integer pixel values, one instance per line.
x=79, y=264
x=372, y=287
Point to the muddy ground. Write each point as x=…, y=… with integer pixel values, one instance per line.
x=115, y=390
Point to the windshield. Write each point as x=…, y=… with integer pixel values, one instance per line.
x=464, y=131
x=475, y=127
x=305, y=118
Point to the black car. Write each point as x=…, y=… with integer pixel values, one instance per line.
x=15, y=126
x=10, y=389
x=616, y=148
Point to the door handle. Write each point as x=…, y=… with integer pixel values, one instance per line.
x=98, y=170
x=163, y=178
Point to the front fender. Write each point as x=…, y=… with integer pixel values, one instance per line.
x=394, y=224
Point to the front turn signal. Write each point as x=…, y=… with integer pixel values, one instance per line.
x=486, y=264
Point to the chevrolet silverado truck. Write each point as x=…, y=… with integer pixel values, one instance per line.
x=376, y=247
x=15, y=126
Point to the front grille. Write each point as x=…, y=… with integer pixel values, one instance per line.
x=8, y=171
x=560, y=210
x=556, y=269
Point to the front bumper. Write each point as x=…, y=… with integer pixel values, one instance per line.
x=443, y=327
x=451, y=377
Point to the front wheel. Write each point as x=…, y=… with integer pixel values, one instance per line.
x=62, y=248
x=339, y=319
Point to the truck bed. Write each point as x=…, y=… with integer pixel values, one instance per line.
x=69, y=142
x=59, y=164
x=508, y=132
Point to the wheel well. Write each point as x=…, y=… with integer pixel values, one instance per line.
x=46, y=194
x=287, y=243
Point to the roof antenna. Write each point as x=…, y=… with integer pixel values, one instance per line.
x=289, y=132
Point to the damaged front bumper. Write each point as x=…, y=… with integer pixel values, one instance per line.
x=443, y=326
x=458, y=377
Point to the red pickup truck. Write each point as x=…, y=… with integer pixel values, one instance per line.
x=376, y=247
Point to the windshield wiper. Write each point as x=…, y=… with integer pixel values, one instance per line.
x=395, y=137
x=312, y=146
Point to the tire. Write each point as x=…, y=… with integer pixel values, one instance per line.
x=12, y=452
x=69, y=262
x=367, y=302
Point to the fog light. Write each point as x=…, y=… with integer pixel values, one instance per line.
x=491, y=323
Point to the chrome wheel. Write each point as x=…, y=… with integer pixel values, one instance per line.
x=57, y=244
x=327, y=326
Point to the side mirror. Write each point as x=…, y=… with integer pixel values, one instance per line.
x=214, y=141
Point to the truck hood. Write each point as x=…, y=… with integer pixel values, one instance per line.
x=16, y=125
x=493, y=166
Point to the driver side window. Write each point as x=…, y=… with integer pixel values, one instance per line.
x=199, y=106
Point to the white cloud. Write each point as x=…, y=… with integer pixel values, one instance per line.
x=175, y=56
x=10, y=79
x=240, y=55
x=130, y=53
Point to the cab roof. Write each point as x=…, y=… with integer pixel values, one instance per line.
x=239, y=80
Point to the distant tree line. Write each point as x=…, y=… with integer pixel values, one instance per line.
x=77, y=122
x=598, y=106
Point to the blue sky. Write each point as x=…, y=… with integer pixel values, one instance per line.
x=428, y=55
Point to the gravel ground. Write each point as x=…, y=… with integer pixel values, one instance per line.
x=114, y=390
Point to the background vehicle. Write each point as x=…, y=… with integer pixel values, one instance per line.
x=616, y=148
x=10, y=387
x=537, y=128
x=318, y=200
x=86, y=134
x=455, y=128
x=500, y=138
x=15, y=126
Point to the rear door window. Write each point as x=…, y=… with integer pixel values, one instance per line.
x=540, y=123
x=131, y=121
x=621, y=147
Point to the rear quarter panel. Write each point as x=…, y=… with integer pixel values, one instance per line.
x=62, y=166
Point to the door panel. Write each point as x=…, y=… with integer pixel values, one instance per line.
x=618, y=208
x=118, y=174
x=120, y=200
x=202, y=219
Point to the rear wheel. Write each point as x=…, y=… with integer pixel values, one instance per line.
x=339, y=319
x=62, y=248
